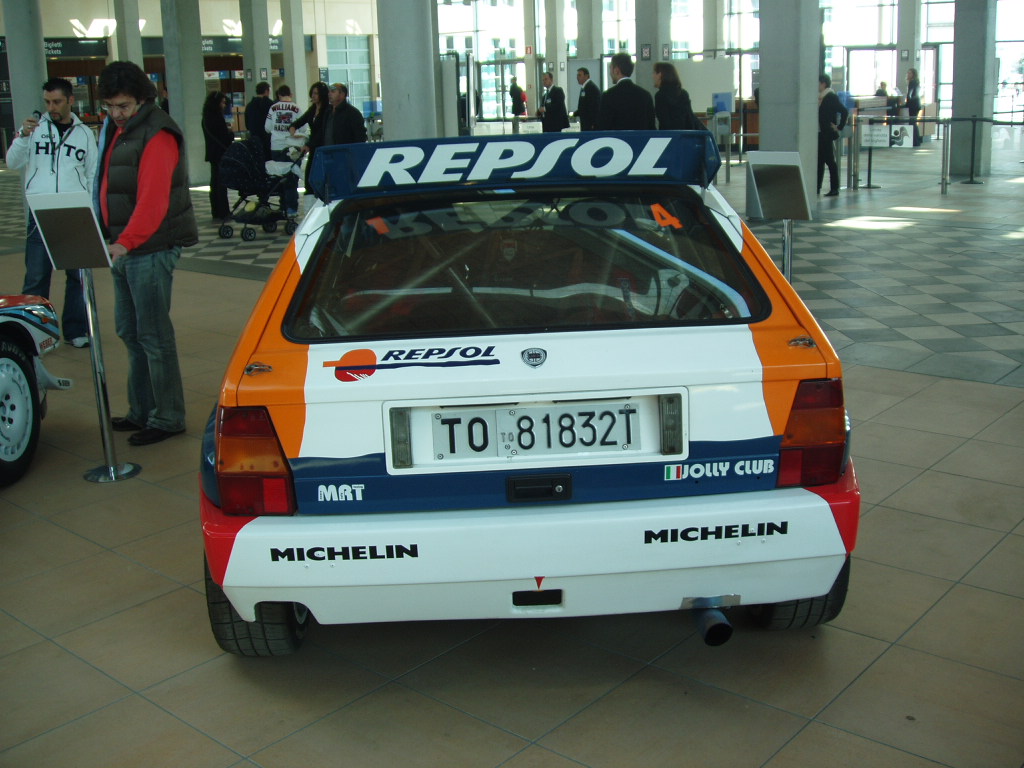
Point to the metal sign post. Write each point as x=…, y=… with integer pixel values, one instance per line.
x=73, y=240
x=777, y=191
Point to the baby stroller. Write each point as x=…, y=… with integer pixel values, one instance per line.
x=245, y=169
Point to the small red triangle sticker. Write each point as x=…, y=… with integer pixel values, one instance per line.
x=539, y=580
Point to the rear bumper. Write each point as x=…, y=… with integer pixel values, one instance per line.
x=745, y=548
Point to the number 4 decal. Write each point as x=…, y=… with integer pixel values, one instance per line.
x=664, y=218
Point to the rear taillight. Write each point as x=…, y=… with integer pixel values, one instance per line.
x=814, y=444
x=252, y=471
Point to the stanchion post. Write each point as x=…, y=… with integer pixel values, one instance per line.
x=787, y=249
x=728, y=157
x=945, y=156
x=111, y=471
x=974, y=135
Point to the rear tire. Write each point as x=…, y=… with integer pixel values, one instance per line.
x=19, y=412
x=226, y=231
x=290, y=227
x=248, y=234
x=809, y=612
x=270, y=226
x=279, y=628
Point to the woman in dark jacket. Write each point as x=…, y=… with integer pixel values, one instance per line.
x=315, y=117
x=672, y=102
x=218, y=138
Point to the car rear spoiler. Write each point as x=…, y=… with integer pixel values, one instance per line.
x=347, y=171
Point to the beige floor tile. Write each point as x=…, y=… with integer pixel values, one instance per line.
x=879, y=479
x=867, y=379
x=961, y=499
x=960, y=628
x=161, y=461
x=538, y=757
x=799, y=671
x=393, y=649
x=942, y=710
x=148, y=643
x=523, y=676
x=923, y=544
x=1002, y=570
x=68, y=597
x=185, y=484
x=127, y=734
x=643, y=636
x=950, y=407
x=1009, y=429
x=148, y=509
x=61, y=474
x=176, y=553
x=14, y=636
x=259, y=701
x=819, y=745
x=884, y=602
x=901, y=445
x=11, y=516
x=863, y=405
x=986, y=461
x=660, y=720
x=52, y=687
x=38, y=545
x=394, y=727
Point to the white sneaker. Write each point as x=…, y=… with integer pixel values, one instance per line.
x=79, y=342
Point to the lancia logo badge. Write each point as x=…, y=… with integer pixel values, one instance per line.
x=534, y=356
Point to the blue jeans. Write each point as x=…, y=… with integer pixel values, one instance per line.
x=289, y=183
x=142, y=316
x=38, y=271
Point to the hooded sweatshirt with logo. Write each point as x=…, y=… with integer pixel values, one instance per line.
x=53, y=162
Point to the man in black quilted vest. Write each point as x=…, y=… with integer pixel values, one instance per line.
x=146, y=210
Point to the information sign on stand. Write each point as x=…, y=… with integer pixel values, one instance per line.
x=73, y=240
x=776, y=190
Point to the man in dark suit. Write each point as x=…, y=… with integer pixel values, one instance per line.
x=553, y=117
x=344, y=123
x=625, y=106
x=590, y=100
x=256, y=115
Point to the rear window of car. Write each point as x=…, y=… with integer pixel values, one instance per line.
x=506, y=262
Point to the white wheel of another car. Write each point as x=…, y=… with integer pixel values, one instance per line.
x=19, y=412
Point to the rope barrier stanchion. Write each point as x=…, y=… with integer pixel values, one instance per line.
x=945, y=157
x=974, y=137
x=869, y=185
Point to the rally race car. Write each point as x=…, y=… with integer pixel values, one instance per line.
x=538, y=376
x=28, y=330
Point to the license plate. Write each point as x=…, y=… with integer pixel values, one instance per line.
x=589, y=427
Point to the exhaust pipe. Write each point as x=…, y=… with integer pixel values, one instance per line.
x=713, y=626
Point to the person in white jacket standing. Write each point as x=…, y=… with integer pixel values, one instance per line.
x=56, y=153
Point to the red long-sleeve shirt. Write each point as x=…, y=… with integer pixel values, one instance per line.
x=159, y=159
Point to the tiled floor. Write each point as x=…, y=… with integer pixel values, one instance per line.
x=106, y=658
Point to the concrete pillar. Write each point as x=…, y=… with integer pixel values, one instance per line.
x=409, y=70
x=653, y=30
x=296, y=73
x=590, y=31
x=790, y=37
x=554, y=42
x=127, y=35
x=908, y=38
x=532, y=84
x=714, y=16
x=974, y=82
x=23, y=28
x=255, y=44
x=186, y=88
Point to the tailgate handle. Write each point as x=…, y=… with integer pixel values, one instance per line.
x=539, y=488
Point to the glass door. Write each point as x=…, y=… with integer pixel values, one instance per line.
x=494, y=82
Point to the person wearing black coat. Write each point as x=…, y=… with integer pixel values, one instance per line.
x=589, y=106
x=218, y=138
x=344, y=123
x=256, y=115
x=832, y=116
x=553, y=117
x=316, y=118
x=625, y=106
x=914, y=102
x=671, y=101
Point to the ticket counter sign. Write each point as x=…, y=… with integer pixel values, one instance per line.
x=875, y=135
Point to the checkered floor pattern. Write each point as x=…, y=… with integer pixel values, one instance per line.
x=901, y=277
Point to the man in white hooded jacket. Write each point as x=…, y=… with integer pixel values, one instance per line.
x=56, y=153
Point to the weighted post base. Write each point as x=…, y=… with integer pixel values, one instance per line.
x=112, y=474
